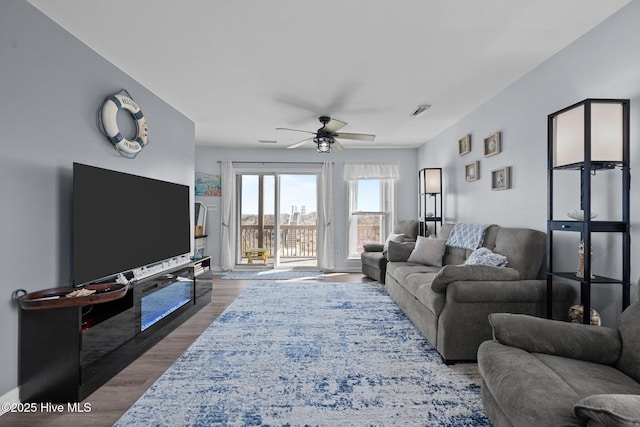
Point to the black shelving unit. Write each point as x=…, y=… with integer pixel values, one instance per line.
x=430, y=199
x=588, y=167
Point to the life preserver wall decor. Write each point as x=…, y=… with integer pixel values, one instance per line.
x=108, y=125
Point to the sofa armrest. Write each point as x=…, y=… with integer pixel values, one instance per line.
x=373, y=247
x=572, y=340
x=609, y=410
x=454, y=273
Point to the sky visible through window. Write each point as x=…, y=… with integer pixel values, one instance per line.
x=369, y=195
x=296, y=190
x=300, y=190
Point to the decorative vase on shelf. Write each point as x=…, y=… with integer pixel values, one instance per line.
x=580, y=271
x=578, y=214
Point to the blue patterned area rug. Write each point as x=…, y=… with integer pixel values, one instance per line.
x=274, y=275
x=317, y=353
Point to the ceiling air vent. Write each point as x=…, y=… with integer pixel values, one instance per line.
x=420, y=109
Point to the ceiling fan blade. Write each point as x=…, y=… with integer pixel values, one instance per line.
x=298, y=144
x=336, y=146
x=334, y=125
x=296, y=130
x=356, y=136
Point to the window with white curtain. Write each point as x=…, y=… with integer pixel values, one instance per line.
x=371, y=192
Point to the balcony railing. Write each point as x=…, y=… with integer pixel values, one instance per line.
x=295, y=240
x=298, y=241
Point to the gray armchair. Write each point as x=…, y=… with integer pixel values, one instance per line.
x=374, y=257
x=540, y=372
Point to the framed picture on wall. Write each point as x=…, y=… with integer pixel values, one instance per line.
x=207, y=185
x=501, y=178
x=492, y=144
x=472, y=171
x=464, y=145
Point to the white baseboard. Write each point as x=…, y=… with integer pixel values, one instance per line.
x=12, y=396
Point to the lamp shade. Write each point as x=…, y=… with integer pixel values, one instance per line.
x=597, y=124
x=433, y=181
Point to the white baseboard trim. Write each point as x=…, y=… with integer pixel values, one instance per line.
x=12, y=396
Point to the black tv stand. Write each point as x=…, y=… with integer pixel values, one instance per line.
x=67, y=353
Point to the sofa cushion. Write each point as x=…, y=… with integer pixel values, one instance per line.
x=528, y=392
x=589, y=378
x=416, y=280
x=541, y=389
x=615, y=410
x=455, y=256
x=392, y=237
x=399, y=251
x=419, y=285
x=629, y=328
x=453, y=273
x=452, y=255
x=408, y=227
x=523, y=247
x=428, y=251
x=400, y=270
x=445, y=230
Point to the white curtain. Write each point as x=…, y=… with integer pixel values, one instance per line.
x=352, y=226
x=326, y=245
x=388, y=197
x=227, y=216
x=354, y=171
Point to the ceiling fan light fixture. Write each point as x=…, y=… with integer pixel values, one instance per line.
x=323, y=143
x=420, y=109
x=327, y=137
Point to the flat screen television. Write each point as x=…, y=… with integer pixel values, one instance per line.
x=123, y=221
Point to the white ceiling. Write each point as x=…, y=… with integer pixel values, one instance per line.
x=241, y=68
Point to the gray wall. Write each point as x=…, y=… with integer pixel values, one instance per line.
x=604, y=63
x=207, y=161
x=52, y=86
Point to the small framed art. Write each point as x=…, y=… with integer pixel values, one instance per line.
x=501, y=178
x=472, y=171
x=464, y=145
x=492, y=144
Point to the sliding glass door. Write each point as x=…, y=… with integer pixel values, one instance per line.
x=277, y=219
x=298, y=220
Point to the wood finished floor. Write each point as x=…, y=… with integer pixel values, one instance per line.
x=113, y=399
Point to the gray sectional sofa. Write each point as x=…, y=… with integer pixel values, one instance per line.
x=450, y=304
x=539, y=372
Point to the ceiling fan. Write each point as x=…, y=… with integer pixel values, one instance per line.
x=325, y=137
